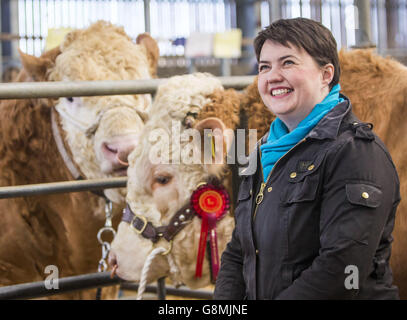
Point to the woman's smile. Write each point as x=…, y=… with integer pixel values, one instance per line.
x=280, y=92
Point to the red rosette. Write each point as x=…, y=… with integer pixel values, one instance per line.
x=211, y=203
x=210, y=200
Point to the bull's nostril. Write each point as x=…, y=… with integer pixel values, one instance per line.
x=121, y=157
x=112, y=261
x=113, y=273
x=113, y=264
x=110, y=148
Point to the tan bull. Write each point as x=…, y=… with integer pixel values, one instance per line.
x=158, y=189
x=48, y=140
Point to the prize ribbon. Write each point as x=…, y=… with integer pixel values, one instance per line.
x=211, y=203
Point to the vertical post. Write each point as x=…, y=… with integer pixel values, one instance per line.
x=343, y=26
x=274, y=10
x=381, y=26
x=147, y=26
x=5, y=23
x=8, y=21
x=246, y=21
x=1, y=44
x=14, y=29
x=392, y=24
x=192, y=65
x=226, y=68
x=161, y=293
x=363, y=34
x=316, y=9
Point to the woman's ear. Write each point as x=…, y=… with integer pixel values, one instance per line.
x=328, y=71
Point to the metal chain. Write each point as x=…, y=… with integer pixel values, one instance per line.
x=102, y=266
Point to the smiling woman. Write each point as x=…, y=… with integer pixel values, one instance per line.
x=325, y=193
x=290, y=82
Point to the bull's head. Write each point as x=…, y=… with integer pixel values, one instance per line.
x=101, y=131
x=157, y=190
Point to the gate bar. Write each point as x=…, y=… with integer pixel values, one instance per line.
x=171, y=290
x=161, y=292
x=61, y=187
x=68, y=284
x=55, y=89
x=91, y=281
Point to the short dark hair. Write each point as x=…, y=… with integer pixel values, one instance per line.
x=312, y=36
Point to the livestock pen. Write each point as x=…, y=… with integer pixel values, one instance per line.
x=78, y=89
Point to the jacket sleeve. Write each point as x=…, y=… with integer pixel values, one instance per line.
x=230, y=283
x=360, y=193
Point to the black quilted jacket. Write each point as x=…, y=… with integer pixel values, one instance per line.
x=322, y=226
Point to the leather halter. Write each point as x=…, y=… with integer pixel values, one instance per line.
x=145, y=228
x=179, y=220
x=65, y=155
x=61, y=148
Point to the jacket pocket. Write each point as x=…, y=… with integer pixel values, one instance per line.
x=363, y=195
x=303, y=186
x=358, y=216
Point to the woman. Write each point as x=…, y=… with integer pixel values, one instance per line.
x=315, y=220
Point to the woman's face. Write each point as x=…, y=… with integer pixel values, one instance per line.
x=290, y=82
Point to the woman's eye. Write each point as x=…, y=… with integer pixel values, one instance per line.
x=288, y=62
x=263, y=67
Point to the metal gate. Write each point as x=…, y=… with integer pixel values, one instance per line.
x=77, y=89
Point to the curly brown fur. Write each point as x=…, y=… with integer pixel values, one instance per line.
x=224, y=105
x=41, y=230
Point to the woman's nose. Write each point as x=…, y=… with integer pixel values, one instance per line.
x=274, y=75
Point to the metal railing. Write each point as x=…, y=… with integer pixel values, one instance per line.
x=87, y=88
x=91, y=281
x=61, y=187
x=25, y=90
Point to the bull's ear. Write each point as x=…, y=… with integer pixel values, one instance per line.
x=215, y=134
x=153, y=52
x=37, y=67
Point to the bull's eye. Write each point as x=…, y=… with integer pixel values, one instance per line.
x=162, y=180
x=70, y=99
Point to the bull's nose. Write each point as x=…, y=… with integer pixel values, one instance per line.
x=122, y=157
x=112, y=260
x=113, y=264
x=116, y=153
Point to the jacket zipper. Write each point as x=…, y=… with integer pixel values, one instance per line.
x=260, y=195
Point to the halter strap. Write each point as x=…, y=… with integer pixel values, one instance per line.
x=145, y=228
x=179, y=220
x=61, y=148
x=65, y=155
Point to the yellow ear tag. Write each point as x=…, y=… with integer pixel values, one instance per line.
x=212, y=144
x=213, y=147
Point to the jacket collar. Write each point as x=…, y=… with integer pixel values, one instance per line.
x=328, y=127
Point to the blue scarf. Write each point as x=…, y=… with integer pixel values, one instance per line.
x=280, y=140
